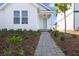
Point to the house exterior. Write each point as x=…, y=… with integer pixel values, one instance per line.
x=29, y=16
x=72, y=19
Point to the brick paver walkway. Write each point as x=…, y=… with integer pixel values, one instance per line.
x=47, y=46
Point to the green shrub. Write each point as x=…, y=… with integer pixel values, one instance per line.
x=4, y=30
x=21, y=52
x=62, y=38
x=50, y=30
x=77, y=51
x=38, y=31
x=25, y=31
x=7, y=52
x=2, y=33
x=19, y=30
x=55, y=33
x=61, y=33
x=15, y=39
x=74, y=36
x=65, y=51
x=34, y=33
x=30, y=30
x=11, y=30
x=26, y=37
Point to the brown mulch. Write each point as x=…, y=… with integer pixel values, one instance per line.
x=28, y=45
x=71, y=45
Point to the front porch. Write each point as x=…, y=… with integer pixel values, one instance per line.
x=45, y=23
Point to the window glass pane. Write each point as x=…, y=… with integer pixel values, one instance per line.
x=24, y=20
x=24, y=17
x=16, y=13
x=16, y=20
x=24, y=13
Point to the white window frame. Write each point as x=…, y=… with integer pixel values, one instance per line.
x=24, y=17
x=20, y=16
x=16, y=17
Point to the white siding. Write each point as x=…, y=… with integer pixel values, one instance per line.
x=77, y=21
x=2, y=16
x=32, y=16
x=76, y=16
x=76, y=6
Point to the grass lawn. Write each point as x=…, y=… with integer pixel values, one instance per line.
x=18, y=42
x=68, y=43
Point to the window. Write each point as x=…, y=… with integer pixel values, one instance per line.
x=16, y=17
x=24, y=17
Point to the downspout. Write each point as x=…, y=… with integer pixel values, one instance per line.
x=74, y=17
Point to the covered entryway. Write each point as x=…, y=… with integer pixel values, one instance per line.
x=45, y=20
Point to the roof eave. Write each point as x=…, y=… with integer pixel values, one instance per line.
x=45, y=7
x=3, y=5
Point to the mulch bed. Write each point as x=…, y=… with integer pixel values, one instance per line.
x=70, y=46
x=28, y=45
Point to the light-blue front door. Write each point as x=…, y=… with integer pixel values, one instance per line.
x=44, y=23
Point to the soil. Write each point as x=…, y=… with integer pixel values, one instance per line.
x=28, y=45
x=70, y=46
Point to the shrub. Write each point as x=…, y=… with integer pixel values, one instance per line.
x=74, y=36
x=19, y=30
x=30, y=30
x=38, y=31
x=34, y=33
x=61, y=33
x=11, y=30
x=21, y=52
x=15, y=39
x=65, y=51
x=50, y=30
x=55, y=33
x=2, y=33
x=25, y=31
x=62, y=38
x=26, y=37
x=4, y=30
x=7, y=52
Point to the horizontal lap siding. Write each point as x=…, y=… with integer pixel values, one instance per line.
x=32, y=16
x=76, y=15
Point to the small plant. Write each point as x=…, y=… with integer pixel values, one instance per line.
x=62, y=38
x=21, y=52
x=11, y=30
x=2, y=33
x=26, y=37
x=25, y=31
x=15, y=39
x=74, y=36
x=55, y=33
x=50, y=30
x=19, y=30
x=38, y=31
x=4, y=30
x=77, y=51
x=34, y=33
x=65, y=51
x=7, y=52
x=30, y=30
